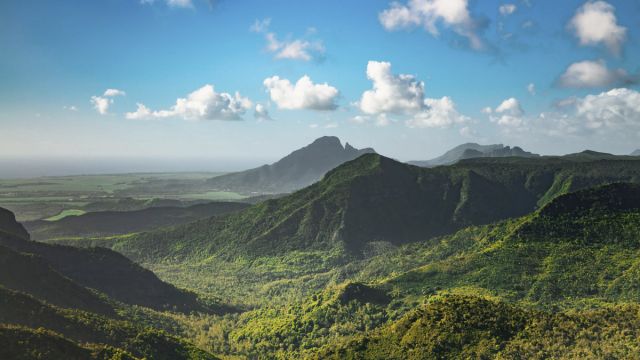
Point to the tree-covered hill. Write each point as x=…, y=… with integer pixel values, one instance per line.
x=559, y=282
x=375, y=200
x=64, y=302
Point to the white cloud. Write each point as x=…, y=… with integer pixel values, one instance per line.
x=614, y=114
x=114, y=92
x=614, y=109
x=439, y=113
x=391, y=93
x=261, y=113
x=590, y=74
x=202, y=104
x=101, y=104
x=507, y=9
x=510, y=106
x=595, y=23
x=404, y=95
x=304, y=94
x=508, y=114
x=70, y=108
x=531, y=88
x=428, y=13
x=294, y=49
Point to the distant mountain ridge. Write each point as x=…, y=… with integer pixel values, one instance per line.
x=374, y=199
x=295, y=171
x=473, y=150
x=636, y=153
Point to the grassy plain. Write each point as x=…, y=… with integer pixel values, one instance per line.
x=53, y=198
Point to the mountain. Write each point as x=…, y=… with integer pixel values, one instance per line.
x=636, y=153
x=295, y=171
x=560, y=281
x=375, y=200
x=473, y=150
x=105, y=223
x=63, y=302
x=101, y=269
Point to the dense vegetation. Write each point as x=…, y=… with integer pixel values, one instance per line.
x=62, y=302
x=489, y=258
x=374, y=200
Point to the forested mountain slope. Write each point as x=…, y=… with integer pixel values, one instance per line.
x=374, y=200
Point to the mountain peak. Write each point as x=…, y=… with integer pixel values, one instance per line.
x=300, y=168
x=328, y=141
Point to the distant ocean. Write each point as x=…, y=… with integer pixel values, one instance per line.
x=37, y=167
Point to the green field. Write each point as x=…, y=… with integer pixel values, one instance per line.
x=65, y=213
x=53, y=198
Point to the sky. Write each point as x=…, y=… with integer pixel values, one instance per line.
x=246, y=82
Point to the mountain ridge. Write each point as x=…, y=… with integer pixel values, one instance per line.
x=375, y=199
x=300, y=168
x=473, y=150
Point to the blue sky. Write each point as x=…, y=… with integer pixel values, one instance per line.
x=552, y=77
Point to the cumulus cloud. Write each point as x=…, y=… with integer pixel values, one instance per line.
x=70, y=108
x=304, y=94
x=614, y=114
x=595, y=23
x=202, y=104
x=508, y=114
x=391, y=93
x=507, y=9
x=428, y=13
x=293, y=49
x=614, y=109
x=591, y=74
x=404, y=95
x=439, y=113
x=102, y=103
x=261, y=113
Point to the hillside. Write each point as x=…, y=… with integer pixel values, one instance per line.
x=568, y=271
x=295, y=171
x=471, y=151
x=104, y=270
x=82, y=328
x=105, y=223
x=374, y=200
x=636, y=153
x=461, y=327
x=10, y=227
